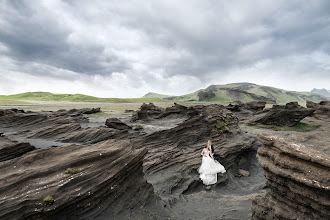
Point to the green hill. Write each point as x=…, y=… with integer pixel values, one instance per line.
x=247, y=92
x=47, y=96
x=244, y=92
x=155, y=95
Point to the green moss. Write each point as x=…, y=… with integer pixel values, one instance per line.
x=48, y=200
x=222, y=126
x=72, y=170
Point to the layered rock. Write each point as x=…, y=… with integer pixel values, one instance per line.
x=10, y=149
x=254, y=106
x=284, y=115
x=322, y=109
x=116, y=124
x=176, y=109
x=299, y=180
x=173, y=155
x=93, y=135
x=147, y=112
x=109, y=178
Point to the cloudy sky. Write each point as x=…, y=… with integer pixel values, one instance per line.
x=128, y=48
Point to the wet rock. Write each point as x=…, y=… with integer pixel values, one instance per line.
x=11, y=149
x=116, y=124
x=298, y=178
x=111, y=180
x=147, y=112
x=284, y=115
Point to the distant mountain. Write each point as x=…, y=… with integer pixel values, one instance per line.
x=247, y=92
x=323, y=92
x=47, y=96
x=154, y=95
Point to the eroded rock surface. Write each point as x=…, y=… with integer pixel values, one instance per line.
x=10, y=149
x=284, y=115
x=172, y=160
x=110, y=180
x=299, y=180
x=147, y=112
x=254, y=106
x=116, y=124
x=322, y=109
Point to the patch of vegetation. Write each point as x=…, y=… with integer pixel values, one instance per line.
x=9, y=102
x=222, y=126
x=48, y=200
x=72, y=171
x=47, y=96
x=300, y=127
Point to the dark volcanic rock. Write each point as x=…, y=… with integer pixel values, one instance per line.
x=110, y=180
x=176, y=109
x=93, y=135
x=284, y=115
x=254, y=106
x=172, y=160
x=147, y=112
x=10, y=149
x=322, y=109
x=116, y=124
x=81, y=111
x=299, y=181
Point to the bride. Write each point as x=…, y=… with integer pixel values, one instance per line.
x=210, y=167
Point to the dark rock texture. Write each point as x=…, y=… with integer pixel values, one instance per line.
x=171, y=163
x=10, y=149
x=176, y=109
x=322, y=109
x=93, y=135
x=299, y=181
x=284, y=115
x=116, y=124
x=255, y=106
x=147, y=112
x=111, y=180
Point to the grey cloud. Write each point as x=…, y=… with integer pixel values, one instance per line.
x=203, y=39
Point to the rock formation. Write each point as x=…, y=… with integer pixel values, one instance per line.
x=147, y=112
x=284, y=115
x=298, y=177
x=171, y=163
x=322, y=109
x=10, y=149
x=109, y=179
x=252, y=106
x=116, y=124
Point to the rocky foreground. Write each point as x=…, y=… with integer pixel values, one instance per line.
x=145, y=165
x=299, y=180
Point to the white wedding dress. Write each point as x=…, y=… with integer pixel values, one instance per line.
x=209, y=169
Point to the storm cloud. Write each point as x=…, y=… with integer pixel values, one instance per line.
x=128, y=48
